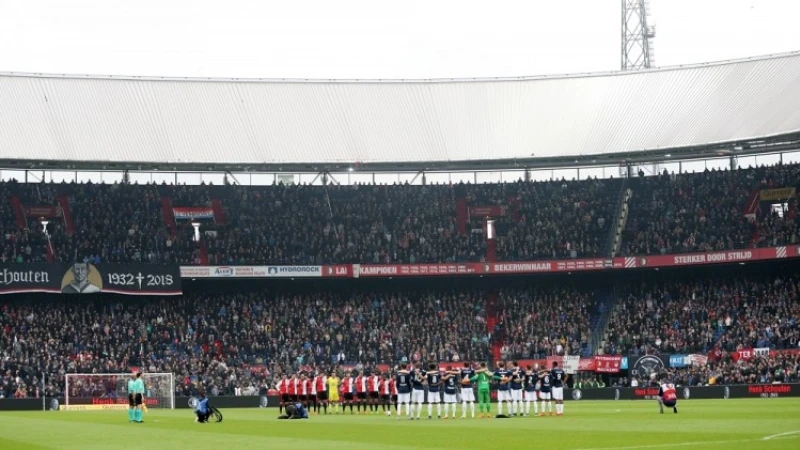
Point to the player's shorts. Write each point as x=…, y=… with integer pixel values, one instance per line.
x=302, y=398
x=530, y=396
x=558, y=393
x=374, y=395
x=467, y=394
x=404, y=398
x=544, y=395
x=322, y=396
x=450, y=398
x=516, y=395
x=670, y=403
x=503, y=396
x=348, y=396
x=285, y=398
x=393, y=399
x=137, y=399
x=362, y=395
x=417, y=396
x=434, y=397
x=334, y=397
x=131, y=400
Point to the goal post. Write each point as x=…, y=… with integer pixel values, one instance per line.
x=109, y=391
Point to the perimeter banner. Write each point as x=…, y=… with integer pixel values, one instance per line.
x=84, y=278
x=251, y=271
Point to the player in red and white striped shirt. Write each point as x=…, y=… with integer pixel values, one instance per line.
x=283, y=390
x=348, y=390
x=373, y=387
x=292, y=388
x=386, y=393
x=361, y=392
x=321, y=393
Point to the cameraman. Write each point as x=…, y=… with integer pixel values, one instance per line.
x=203, y=412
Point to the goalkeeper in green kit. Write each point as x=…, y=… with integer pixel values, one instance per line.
x=483, y=376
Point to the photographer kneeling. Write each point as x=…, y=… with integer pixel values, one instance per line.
x=203, y=412
x=295, y=411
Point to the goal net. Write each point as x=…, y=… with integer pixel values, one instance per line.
x=99, y=391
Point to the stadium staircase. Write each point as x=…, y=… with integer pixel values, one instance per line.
x=491, y=321
x=203, y=252
x=219, y=215
x=598, y=320
x=620, y=218
x=462, y=215
x=19, y=213
x=66, y=214
x=168, y=215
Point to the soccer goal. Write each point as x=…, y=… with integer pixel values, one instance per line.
x=98, y=391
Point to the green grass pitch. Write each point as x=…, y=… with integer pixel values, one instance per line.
x=701, y=424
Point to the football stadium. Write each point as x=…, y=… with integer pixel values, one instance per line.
x=595, y=261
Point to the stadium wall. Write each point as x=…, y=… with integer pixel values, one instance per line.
x=762, y=391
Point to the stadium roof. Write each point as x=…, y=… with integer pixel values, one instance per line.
x=79, y=120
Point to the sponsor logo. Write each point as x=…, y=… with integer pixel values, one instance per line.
x=577, y=394
x=769, y=389
x=727, y=393
x=272, y=270
x=224, y=272
x=687, y=393
x=54, y=406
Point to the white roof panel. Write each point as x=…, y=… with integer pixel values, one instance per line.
x=129, y=119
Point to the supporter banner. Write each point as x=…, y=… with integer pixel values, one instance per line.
x=536, y=363
x=569, y=363
x=83, y=278
x=251, y=271
x=769, y=195
x=487, y=211
x=691, y=259
x=587, y=364
x=646, y=366
x=392, y=270
x=551, y=266
x=340, y=271
x=698, y=360
x=762, y=351
x=193, y=213
x=623, y=365
x=679, y=361
x=745, y=354
x=608, y=363
x=43, y=211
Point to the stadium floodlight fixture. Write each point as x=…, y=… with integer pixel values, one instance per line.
x=349, y=169
x=668, y=155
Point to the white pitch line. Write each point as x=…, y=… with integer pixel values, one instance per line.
x=775, y=436
x=680, y=444
x=676, y=444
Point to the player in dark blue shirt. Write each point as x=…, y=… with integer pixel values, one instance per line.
x=546, y=381
x=434, y=381
x=502, y=376
x=467, y=390
x=558, y=378
x=517, y=377
x=402, y=382
x=417, y=390
x=450, y=388
x=530, y=381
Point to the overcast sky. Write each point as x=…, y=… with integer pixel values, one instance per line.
x=374, y=38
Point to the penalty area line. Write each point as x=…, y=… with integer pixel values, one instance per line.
x=681, y=444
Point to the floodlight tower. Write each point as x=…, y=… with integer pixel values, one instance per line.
x=637, y=36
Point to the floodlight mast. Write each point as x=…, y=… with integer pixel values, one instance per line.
x=637, y=35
